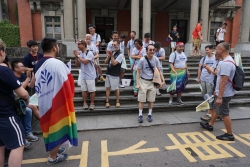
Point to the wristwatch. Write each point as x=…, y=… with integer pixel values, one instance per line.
x=78, y=56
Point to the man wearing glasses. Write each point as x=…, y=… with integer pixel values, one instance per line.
x=114, y=60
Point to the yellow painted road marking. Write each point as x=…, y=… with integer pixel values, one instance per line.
x=247, y=136
x=197, y=143
x=131, y=150
x=84, y=156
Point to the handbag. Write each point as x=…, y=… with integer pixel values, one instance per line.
x=18, y=104
x=156, y=74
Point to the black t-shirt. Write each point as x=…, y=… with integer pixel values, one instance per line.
x=30, y=61
x=8, y=83
x=22, y=78
x=173, y=36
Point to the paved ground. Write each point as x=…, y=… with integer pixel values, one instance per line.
x=158, y=146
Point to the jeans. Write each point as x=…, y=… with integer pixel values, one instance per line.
x=134, y=77
x=27, y=119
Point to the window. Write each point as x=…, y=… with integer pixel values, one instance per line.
x=53, y=27
x=104, y=21
x=213, y=29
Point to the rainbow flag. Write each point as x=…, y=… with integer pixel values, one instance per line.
x=55, y=89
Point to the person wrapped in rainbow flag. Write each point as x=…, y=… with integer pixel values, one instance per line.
x=179, y=73
x=55, y=90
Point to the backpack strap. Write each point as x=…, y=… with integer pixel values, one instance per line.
x=149, y=64
x=235, y=66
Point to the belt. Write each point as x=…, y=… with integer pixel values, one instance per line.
x=147, y=79
x=180, y=68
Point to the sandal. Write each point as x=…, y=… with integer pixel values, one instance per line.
x=117, y=104
x=107, y=104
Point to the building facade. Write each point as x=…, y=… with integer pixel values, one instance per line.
x=67, y=20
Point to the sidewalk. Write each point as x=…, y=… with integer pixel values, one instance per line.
x=160, y=118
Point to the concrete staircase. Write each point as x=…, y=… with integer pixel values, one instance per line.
x=191, y=95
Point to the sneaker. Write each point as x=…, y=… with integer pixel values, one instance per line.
x=170, y=103
x=31, y=138
x=107, y=105
x=85, y=106
x=140, y=119
x=206, y=126
x=226, y=136
x=158, y=92
x=121, y=86
x=92, y=107
x=180, y=103
x=206, y=118
x=135, y=94
x=59, y=158
x=118, y=104
x=61, y=150
x=102, y=78
x=150, y=118
x=27, y=144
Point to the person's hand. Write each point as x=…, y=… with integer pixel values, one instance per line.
x=171, y=38
x=198, y=80
x=27, y=101
x=218, y=40
x=138, y=86
x=201, y=39
x=188, y=74
x=214, y=93
x=218, y=102
x=109, y=53
x=28, y=73
x=175, y=73
x=76, y=53
x=140, y=56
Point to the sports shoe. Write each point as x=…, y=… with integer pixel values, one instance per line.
x=92, y=107
x=226, y=136
x=61, y=150
x=180, y=103
x=135, y=94
x=102, y=78
x=206, y=126
x=150, y=118
x=85, y=106
x=121, y=86
x=118, y=104
x=158, y=92
x=170, y=103
x=107, y=105
x=31, y=138
x=205, y=118
x=140, y=119
x=59, y=158
x=27, y=144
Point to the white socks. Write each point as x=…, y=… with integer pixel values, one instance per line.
x=149, y=112
x=140, y=112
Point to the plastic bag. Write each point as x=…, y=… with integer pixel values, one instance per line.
x=79, y=79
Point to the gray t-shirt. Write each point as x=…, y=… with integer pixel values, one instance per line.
x=88, y=70
x=109, y=47
x=159, y=54
x=122, y=46
x=96, y=38
x=205, y=76
x=137, y=52
x=179, y=61
x=146, y=72
x=131, y=45
x=146, y=44
x=92, y=48
x=228, y=69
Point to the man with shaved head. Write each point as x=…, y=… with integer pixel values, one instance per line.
x=224, y=91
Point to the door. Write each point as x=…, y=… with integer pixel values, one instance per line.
x=104, y=27
x=181, y=28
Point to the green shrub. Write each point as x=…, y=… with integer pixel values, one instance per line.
x=9, y=33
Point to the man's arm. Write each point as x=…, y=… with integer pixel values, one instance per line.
x=199, y=73
x=137, y=78
x=222, y=86
x=77, y=56
x=22, y=93
x=32, y=82
x=162, y=58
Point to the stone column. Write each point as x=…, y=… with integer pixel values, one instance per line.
x=81, y=18
x=243, y=46
x=135, y=16
x=194, y=13
x=1, y=12
x=68, y=20
x=146, y=17
x=204, y=16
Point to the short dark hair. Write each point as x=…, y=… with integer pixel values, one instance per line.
x=209, y=47
x=148, y=46
x=47, y=44
x=14, y=64
x=225, y=45
x=31, y=43
x=225, y=24
x=117, y=40
x=133, y=32
x=83, y=42
x=139, y=41
x=114, y=32
x=122, y=36
x=147, y=35
x=157, y=45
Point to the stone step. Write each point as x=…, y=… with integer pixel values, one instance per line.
x=158, y=107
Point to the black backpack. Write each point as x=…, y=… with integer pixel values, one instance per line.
x=216, y=33
x=238, y=79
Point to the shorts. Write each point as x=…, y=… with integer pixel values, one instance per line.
x=88, y=85
x=147, y=91
x=217, y=43
x=207, y=88
x=196, y=42
x=223, y=109
x=11, y=133
x=173, y=44
x=112, y=82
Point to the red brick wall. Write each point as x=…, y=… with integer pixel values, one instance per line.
x=88, y=17
x=11, y=10
x=228, y=36
x=124, y=22
x=161, y=29
x=236, y=25
x=37, y=26
x=25, y=21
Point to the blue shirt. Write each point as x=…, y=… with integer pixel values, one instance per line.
x=30, y=61
x=8, y=83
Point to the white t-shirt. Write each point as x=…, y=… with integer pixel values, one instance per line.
x=137, y=52
x=205, y=75
x=109, y=47
x=92, y=48
x=131, y=45
x=221, y=32
x=146, y=44
x=96, y=38
x=146, y=71
x=159, y=54
x=122, y=46
x=179, y=61
x=88, y=71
